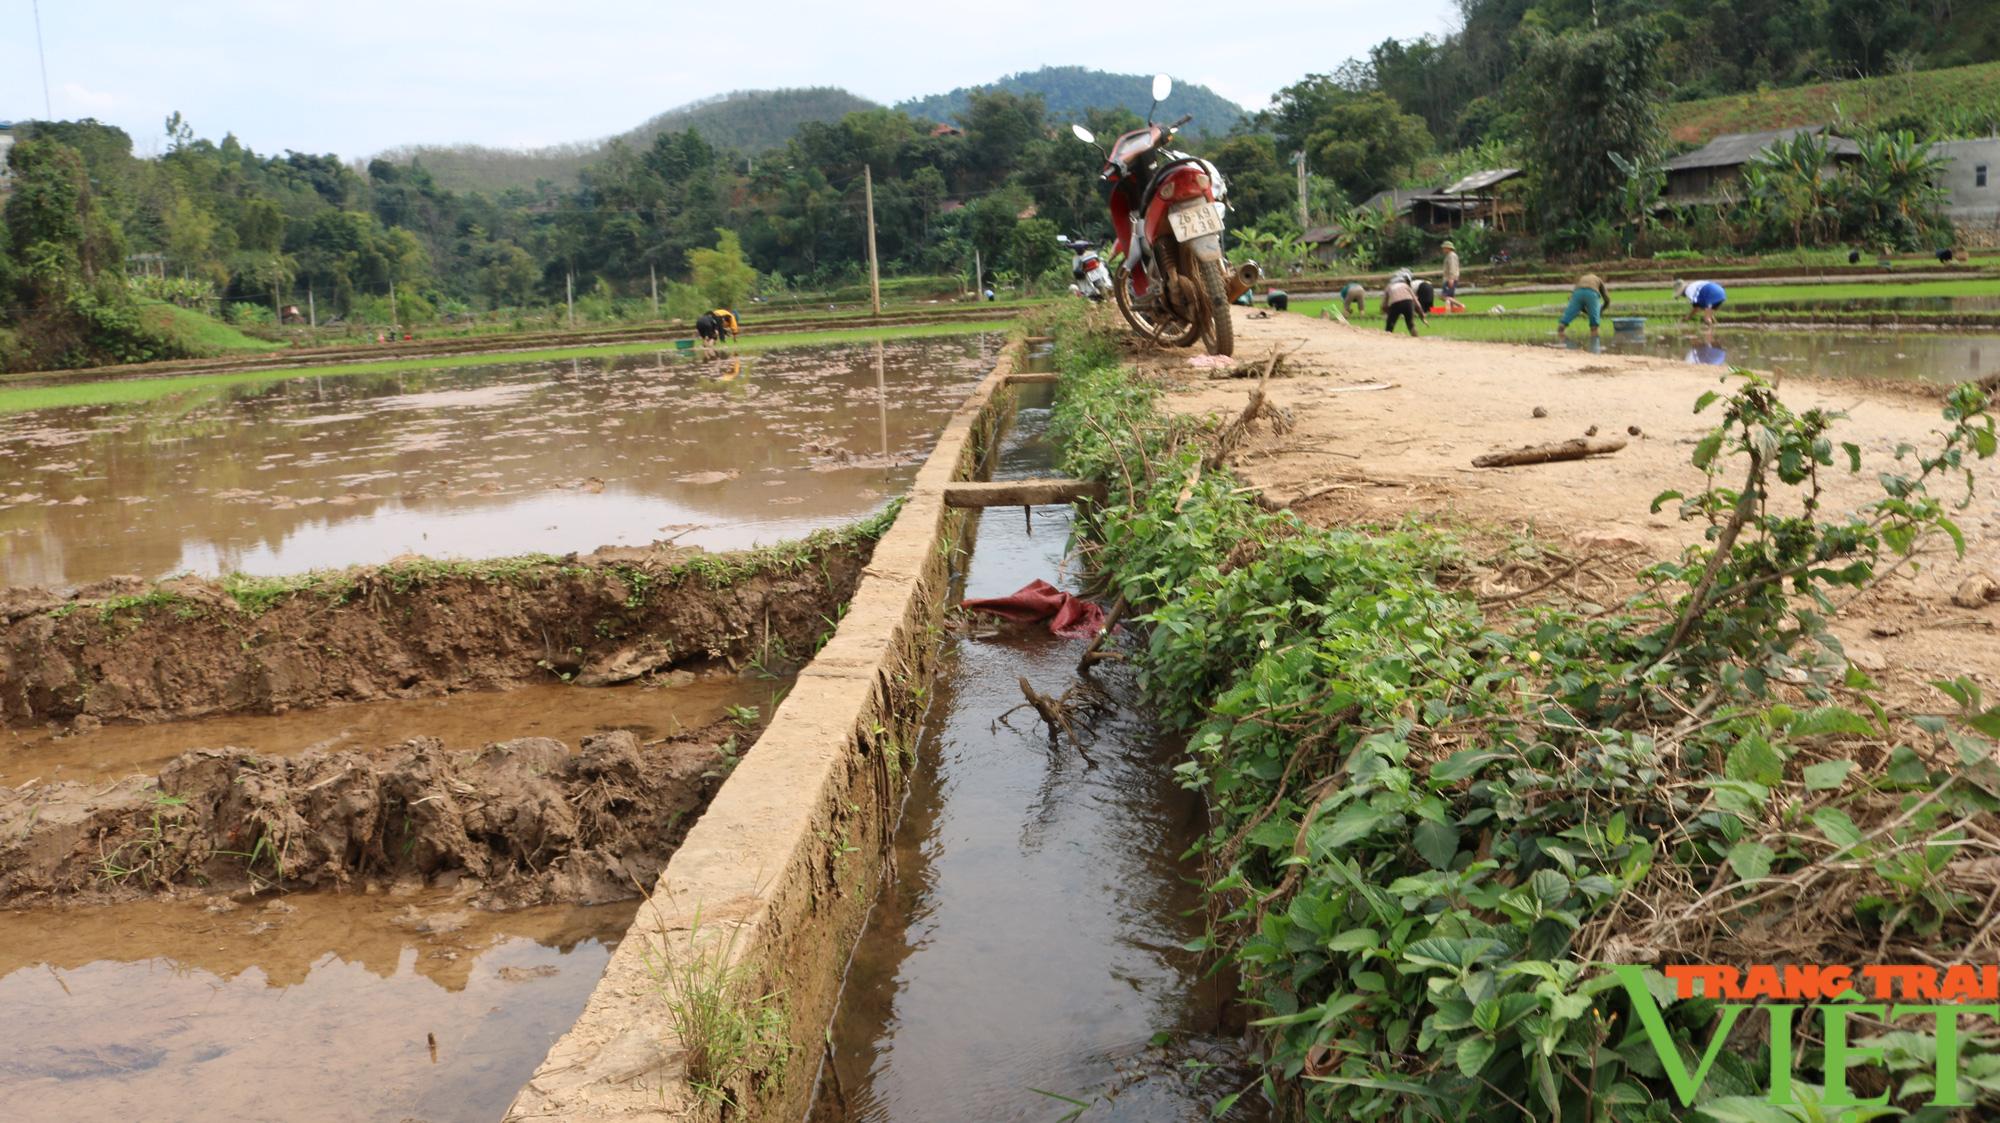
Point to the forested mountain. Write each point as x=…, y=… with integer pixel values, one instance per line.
x=754, y=121
x=749, y=121
x=1456, y=82
x=1067, y=91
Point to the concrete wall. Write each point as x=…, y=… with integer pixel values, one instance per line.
x=1973, y=209
x=780, y=871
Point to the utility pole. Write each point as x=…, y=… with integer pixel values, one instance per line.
x=653, y=274
x=874, y=269
x=312, y=310
x=48, y=107
x=569, y=297
x=394, y=317
x=978, y=276
x=1299, y=158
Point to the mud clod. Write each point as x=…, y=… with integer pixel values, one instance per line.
x=524, y=821
x=190, y=647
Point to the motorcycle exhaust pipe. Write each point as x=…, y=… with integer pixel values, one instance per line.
x=1242, y=279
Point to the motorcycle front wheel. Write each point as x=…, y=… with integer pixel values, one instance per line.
x=1169, y=331
x=1220, y=333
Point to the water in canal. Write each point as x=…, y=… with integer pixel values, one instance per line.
x=315, y=472
x=1025, y=956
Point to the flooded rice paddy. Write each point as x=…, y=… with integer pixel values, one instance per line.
x=319, y=471
x=1935, y=356
x=305, y=1008
x=401, y=1002
x=1026, y=954
x=461, y=721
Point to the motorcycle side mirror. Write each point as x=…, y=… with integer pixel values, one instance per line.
x=1083, y=134
x=1162, y=86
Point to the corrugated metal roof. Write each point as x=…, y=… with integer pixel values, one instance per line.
x=1319, y=235
x=1403, y=199
x=1734, y=149
x=1480, y=181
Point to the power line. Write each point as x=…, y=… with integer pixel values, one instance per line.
x=48, y=109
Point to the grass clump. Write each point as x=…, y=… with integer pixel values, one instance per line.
x=1434, y=823
x=735, y=1037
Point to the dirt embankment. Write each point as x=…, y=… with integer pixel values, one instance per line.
x=518, y=823
x=1385, y=427
x=128, y=650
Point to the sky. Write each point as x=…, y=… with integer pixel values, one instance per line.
x=360, y=76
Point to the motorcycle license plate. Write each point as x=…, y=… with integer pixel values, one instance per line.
x=1190, y=223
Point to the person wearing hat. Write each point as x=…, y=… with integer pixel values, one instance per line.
x=1704, y=296
x=1399, y=301
x=1451, y=303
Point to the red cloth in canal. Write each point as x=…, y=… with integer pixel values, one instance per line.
x=1068, y=615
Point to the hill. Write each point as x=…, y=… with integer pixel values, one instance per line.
x=1958, y=102
x=758, y=120
x=1069, y=90
x=746, y=120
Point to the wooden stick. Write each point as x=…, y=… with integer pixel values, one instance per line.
x=1094, y=654
x=1020, y=493
x=1576, y=449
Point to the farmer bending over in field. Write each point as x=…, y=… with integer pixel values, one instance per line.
x=1588, y=298
x=1704, y=296
x=1400, y=299
x=712, y=327
x=1353, y=299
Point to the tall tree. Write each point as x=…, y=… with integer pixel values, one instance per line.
x=1591, y=93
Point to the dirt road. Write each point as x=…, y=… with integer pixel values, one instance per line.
x=1387, y=426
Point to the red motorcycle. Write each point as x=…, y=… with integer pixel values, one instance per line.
x=1166, y=207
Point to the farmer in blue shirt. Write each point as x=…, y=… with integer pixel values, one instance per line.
x=1704, y=296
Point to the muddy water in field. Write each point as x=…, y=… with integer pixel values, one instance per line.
x=1945, y=357
x=1025, y=954
x=319, y=472
x=316, y=1007
x=462, y=721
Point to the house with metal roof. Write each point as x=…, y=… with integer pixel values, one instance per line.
x=1710, y=173
x=1470, y=199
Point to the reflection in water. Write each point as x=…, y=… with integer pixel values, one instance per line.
x=462, y=721
x=313, y=1007
x=1706, y=352
x=473, y=462
x=1029, y=933
x=1945, y=357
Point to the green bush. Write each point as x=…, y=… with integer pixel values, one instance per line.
x=241, y=312
x=1434, y=821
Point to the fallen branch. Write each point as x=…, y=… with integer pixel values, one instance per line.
x=1257, y=406
x=1576, y=449
x=1056, y=712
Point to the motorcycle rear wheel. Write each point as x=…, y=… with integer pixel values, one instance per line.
x=1169, y=331
x=1220, y=332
